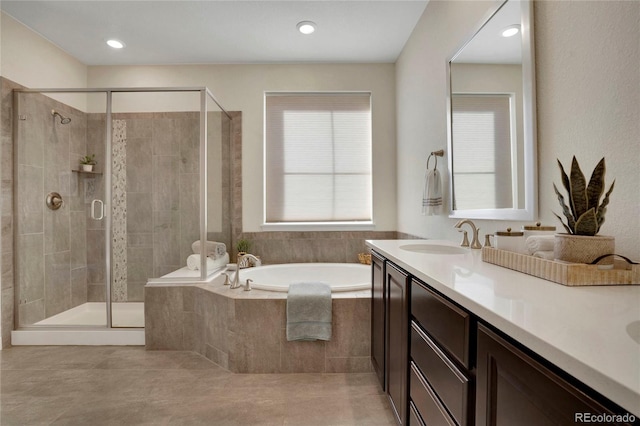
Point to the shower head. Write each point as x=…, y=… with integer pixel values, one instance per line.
x=63, y=119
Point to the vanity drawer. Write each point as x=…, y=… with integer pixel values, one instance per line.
x=448, y=324
x=450, y=384
x=414, y=417
x=429, y=410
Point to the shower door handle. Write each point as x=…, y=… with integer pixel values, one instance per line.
x=93, y=210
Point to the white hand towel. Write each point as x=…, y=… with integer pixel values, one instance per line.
x=212, y=249
x=539, y=243
x=432, y=193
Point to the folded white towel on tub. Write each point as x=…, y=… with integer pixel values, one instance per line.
x=309, y=311
x=212, y=249
x=193, y=262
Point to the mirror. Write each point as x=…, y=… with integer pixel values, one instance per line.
x=491, y=119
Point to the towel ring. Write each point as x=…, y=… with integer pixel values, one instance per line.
x=435, y=154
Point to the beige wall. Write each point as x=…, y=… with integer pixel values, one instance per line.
x=32, y=61
x=588, y=62
x=242, y=87
x=588, y=98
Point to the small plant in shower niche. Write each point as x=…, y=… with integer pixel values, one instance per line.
x=87, y=162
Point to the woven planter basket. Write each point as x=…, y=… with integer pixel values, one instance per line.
x=582, y=248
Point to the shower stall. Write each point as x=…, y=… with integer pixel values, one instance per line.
x=86, y=241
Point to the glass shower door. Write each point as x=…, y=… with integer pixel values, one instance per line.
x=130, y=254
x=59, y=248
x=154, y=193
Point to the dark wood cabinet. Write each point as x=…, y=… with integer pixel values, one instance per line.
x=513, y=388
x=442, y=365
x=397, y=361
x=378, y=314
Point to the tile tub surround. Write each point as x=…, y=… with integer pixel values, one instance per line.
x=107, y=385
x=245, y=332
x=312, y=246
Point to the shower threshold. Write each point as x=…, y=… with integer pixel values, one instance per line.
x=86, y=325
x=129, y=314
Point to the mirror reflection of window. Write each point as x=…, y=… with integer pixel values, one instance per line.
x=482, y=164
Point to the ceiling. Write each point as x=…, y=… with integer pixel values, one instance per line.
x=488, y=46
x=216, y=31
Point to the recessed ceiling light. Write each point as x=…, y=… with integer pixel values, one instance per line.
x=306, y=27
x=511, y=30
x=116, y=44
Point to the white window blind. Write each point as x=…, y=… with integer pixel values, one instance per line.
x=482, y=158
x=318, y=157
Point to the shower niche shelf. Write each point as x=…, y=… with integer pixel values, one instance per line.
x=82, y=172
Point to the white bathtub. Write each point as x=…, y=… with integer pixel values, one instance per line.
x=340, y=276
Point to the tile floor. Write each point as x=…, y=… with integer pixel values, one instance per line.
x=107, y=385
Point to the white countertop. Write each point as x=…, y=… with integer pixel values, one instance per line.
x=582, y=330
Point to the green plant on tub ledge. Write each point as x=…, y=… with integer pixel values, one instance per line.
x=584, y=215
x=243, y=246
x=87, y=162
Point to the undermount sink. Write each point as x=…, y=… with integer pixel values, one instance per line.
x=434, y=249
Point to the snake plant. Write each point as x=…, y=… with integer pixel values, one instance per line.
x=585, y=213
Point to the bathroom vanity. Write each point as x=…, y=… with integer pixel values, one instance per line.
x=457, y=341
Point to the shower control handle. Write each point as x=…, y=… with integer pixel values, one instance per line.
x=93, y=210
x=54, y=201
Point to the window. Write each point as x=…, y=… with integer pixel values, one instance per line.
x=485, y=145
x=317, y=158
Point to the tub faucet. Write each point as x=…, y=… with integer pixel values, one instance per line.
x=475, y=244
x=243, y=262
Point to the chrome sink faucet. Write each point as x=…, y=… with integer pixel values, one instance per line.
x=243, y=262
x=475, y=244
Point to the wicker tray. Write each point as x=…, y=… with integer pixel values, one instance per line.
x=569, y=274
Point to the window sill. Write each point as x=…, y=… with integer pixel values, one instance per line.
x=318, y=226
